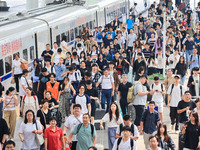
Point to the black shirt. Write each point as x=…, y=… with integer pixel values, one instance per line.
x=1, y=89
x=123, y=89
x=44, y=54
x=89, y=65
x=92, y=92
x=52, y=102
x=192, y=136
x=43, y=116
x=3, y=128
x=181, y=68
x=181, y=105
x=43, y=81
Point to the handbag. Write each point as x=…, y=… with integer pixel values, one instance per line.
x=12, y=80
x=39, y=137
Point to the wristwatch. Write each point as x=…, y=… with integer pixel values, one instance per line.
x=64, y=134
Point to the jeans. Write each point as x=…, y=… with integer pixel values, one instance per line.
x=111, y=137
x=124, y=106
x=106, y=95
x=188, y=53
x=183, y=80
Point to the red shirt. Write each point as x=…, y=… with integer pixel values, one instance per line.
x=54, y=138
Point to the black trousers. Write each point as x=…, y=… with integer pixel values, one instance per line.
x=17, y=77
x=74, y=143
x=124, y=106
x=174, y=117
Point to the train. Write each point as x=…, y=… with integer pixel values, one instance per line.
x=29, y=34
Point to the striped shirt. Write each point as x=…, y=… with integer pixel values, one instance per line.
x=9, y=103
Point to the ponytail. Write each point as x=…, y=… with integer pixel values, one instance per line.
x=10, y=89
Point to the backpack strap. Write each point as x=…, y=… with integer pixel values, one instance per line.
x=78, y=128
x=132, y=129
x=152, y=86
x=161, y=86
x=51, y=69
x=172, y=89
x=34, y=97
x=118, y=142
x=120, y=128
x=181, y=88
x=76, y=76
x=132, y=143
x=92, y=129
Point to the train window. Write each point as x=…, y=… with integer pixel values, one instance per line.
x=25, y=54
x=72, y=34
x=87, y=24
x=1, y=67
x=32, y=53
x=67, y=34
x=62, y=34
x=58, y=39
x=91, y=25
x=80, y=29
x=8, y=63
x=76, y=32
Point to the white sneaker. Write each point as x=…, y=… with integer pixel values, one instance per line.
x=176, y=131
x=172, y=127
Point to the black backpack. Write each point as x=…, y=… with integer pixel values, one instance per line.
x=173, y=87
x=119, y=141
x=160, y=84
x=79, y=127
x=121, y=126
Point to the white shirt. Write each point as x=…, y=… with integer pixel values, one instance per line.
x=54, y=50
x=29, y=137
x=131, y=39
x=22, y=82
x=63, y=43
x=157, y=96
x=176, y=95
x=196, y=80
x=175, y=60
x=106, y=82
x=136, y=133
x=112, y=123
x=56, y=58
x=160, y=61
x=17, y=66
x=151, y=64
x=79, y=51
x=125, y=145
x=49, y=69
x=82, y=100
x=71, y=122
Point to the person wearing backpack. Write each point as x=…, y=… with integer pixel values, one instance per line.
x=140, y=100
x=86, y=134
x=125, y=142
x=99, y=36
x=29, y=102
x=82, y=99
x=194, y=60
x=175, y=93
x=127, y=122
x=157, y=90
x=148, y=124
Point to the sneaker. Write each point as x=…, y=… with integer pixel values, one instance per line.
x=176, y=131
x=172, y=127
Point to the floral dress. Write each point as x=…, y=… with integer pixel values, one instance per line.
x=64, y=105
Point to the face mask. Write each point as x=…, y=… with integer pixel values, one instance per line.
x=13, y=93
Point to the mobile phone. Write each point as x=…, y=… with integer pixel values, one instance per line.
x=156, y=90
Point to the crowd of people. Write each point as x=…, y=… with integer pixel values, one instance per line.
x=68, y=85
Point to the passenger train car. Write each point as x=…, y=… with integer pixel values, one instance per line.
x=29, y=35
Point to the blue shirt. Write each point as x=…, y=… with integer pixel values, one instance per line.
x=196, y=63
x=129, y=23
x=59, y=71
x=113, y=34
x=197, y=40
x=189, y=45
x=150, y=121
